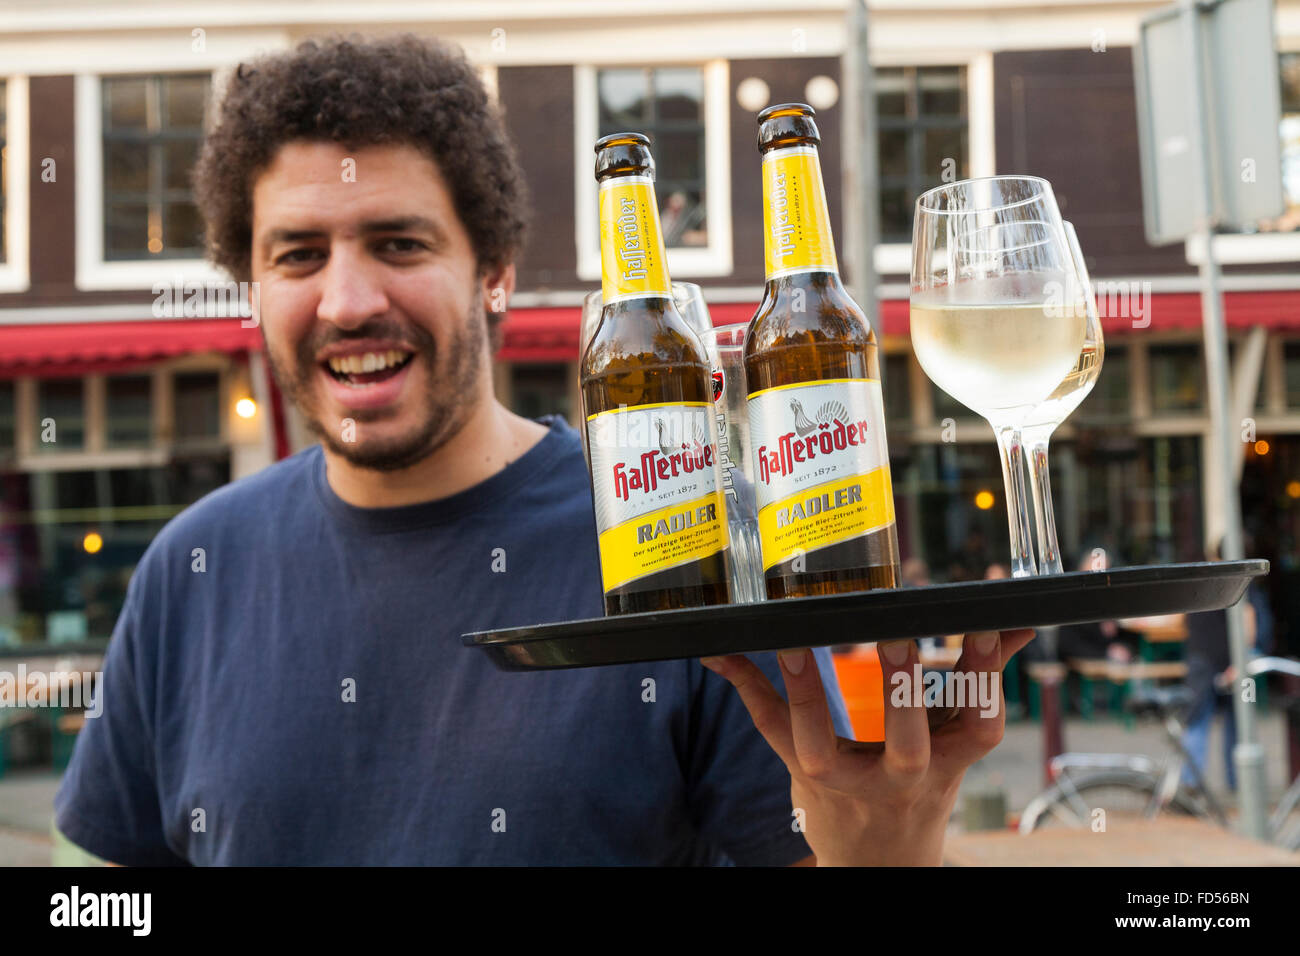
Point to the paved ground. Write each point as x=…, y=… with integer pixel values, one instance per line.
x=1015, y=767
x=25, y=812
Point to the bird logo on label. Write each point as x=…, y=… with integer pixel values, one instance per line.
x=828, y=413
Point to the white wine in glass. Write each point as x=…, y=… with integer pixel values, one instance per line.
x=989, y=324
x=994, y=357
x=1056, y=408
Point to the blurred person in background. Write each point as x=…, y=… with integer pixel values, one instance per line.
x=1212, y=680
x=1096, y=640
x=1260, y=602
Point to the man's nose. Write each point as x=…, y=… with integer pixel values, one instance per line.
x=352, y=289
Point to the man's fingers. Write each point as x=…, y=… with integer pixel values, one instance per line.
x=981, y=720
x=810, y=719
x=767, y=709
x=1014, y=641
x=907, y=731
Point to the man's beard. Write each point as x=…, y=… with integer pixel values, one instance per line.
x=449, y=398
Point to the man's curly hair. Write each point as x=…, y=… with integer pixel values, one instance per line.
x=361, y=92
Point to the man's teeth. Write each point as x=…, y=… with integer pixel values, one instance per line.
x=367, y=362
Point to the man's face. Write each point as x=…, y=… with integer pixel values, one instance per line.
x=371, y=304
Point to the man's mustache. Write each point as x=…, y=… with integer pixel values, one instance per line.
x=329, y=335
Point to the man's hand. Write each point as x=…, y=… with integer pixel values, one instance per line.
x=872, y=803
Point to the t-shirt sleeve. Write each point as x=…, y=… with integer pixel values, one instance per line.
x=739, y=788
x=107, y=803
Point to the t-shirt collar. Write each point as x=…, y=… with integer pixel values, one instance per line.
x=532, y=463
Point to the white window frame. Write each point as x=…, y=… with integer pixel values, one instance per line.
x=487, y=73
x=715, y=259
x=895, y=258
x=94, y=273
x=1245, y=248
x=15, y=274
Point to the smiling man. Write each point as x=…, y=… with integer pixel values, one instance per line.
x=302, y=695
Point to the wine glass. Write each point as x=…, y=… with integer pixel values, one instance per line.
x=1042, y=421
x=593, y=306
x=991, y=319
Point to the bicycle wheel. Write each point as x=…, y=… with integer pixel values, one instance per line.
x=1126, y=796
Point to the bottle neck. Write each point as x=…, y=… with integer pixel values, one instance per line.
x=633, y=263
x=796, y=220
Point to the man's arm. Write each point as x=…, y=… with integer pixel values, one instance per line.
x=807, y=861
x=107, y=802
x=738, y=790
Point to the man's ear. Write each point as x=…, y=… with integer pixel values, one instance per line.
x=498, y=287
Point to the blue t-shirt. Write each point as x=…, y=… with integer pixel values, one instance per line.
x=286, y=684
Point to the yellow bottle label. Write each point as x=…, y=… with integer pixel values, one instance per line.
x=655, y=489
x=796, y=223
x=632, y=258
x=821, y=465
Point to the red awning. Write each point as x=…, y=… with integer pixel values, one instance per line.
x=551, y=334
x=78, y=348
x=541, y=335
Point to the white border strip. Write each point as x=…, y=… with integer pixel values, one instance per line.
x=15, y=272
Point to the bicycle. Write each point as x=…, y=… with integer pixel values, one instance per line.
x=1137, y=785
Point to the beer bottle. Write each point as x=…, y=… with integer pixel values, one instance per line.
x=647, y=392
x=816, y=413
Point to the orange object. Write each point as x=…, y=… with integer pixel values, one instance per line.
x=862, y=684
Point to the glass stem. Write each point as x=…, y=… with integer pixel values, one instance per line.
x=1013, y=477
x=1049, y=551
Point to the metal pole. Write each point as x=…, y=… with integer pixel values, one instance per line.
x=859, y=165
x=1248, y=754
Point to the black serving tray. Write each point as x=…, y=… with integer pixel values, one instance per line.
x=863, y=616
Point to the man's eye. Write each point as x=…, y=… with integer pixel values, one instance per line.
x=298, y=256
x=401, y=244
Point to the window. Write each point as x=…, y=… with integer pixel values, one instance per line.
x=6, y=418
x=152, y=127
x=1289, y=221
x=1109, y=398
x=1291, y=366
x=922, y=139
x=1140, y=499
x=197, y=405
x=71, y=589
x=14, y=185
x=667, y=104
x=539, y=390
x=4, y=173
x=1277, y=239
x=1177, y=378
x=945, y=406
x=686, y=112
x=898, y=391
x=937, y=488
x=130, y=411
x=62, y=424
